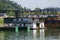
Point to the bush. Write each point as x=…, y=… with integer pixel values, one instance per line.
x=1, y=20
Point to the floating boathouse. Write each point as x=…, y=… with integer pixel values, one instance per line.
x=32, y=21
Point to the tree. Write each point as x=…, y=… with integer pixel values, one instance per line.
x=38, y=11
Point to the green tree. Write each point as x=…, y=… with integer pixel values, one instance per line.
x=38, y=11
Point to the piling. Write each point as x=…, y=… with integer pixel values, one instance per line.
x=16, y=29
x=28, y=29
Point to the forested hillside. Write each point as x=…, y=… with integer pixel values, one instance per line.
x=7, y=4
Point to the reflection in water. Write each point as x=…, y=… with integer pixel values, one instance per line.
x=52, y=34
x=34, y=34
x=38, y=34
x=42, y=34
x=2, y=35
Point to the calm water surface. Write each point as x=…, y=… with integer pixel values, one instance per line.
x=42, y=34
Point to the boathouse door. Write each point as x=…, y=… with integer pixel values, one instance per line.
x=37, y=25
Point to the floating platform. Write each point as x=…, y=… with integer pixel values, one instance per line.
x=19, y=28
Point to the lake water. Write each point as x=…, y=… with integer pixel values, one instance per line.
x=42, y=34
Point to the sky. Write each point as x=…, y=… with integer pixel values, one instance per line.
x=31, y=4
